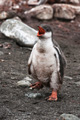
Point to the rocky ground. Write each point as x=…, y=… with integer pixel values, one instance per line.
x=14, y=105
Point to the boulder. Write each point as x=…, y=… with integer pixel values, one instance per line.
x=66, y=11
x=20, y=32
x=68, y=117
x=78, y=83
x=42, y=12
x=1, y=53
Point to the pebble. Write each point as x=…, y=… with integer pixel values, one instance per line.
x=3, y=15
x=25, y=82
x=16, y=7
x=68, y=77
x=33, y=95
x=77, y=83
x=1, y=53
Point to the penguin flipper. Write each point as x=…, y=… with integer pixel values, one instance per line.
x=29, y=64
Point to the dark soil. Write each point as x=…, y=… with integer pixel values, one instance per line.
x=13, y=67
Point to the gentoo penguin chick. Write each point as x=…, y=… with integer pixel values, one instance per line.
x=46, y=62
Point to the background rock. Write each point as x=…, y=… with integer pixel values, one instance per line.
x=66, y=11
x=61, y=11
x=42, y=12
x=22, y=33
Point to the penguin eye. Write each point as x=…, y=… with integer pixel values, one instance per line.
x=47, y=30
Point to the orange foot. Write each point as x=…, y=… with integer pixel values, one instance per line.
x=53, y=96
x=37, y=85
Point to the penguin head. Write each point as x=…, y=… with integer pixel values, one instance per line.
x=44, y=31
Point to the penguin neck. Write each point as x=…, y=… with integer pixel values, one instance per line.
x=44, y=44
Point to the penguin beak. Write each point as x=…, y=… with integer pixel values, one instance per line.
x=41, y=31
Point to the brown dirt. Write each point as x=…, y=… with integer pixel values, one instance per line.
x=13, y=67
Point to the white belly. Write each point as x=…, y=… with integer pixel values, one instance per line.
x=43, y=65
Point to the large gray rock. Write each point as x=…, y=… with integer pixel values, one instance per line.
x=68, y=117
x=22, y=33
x=66, y=11
x=42, y=12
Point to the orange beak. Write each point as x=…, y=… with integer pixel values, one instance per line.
x=41, y=31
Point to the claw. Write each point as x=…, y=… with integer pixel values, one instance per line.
x=37, y=85
x=53, y=96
